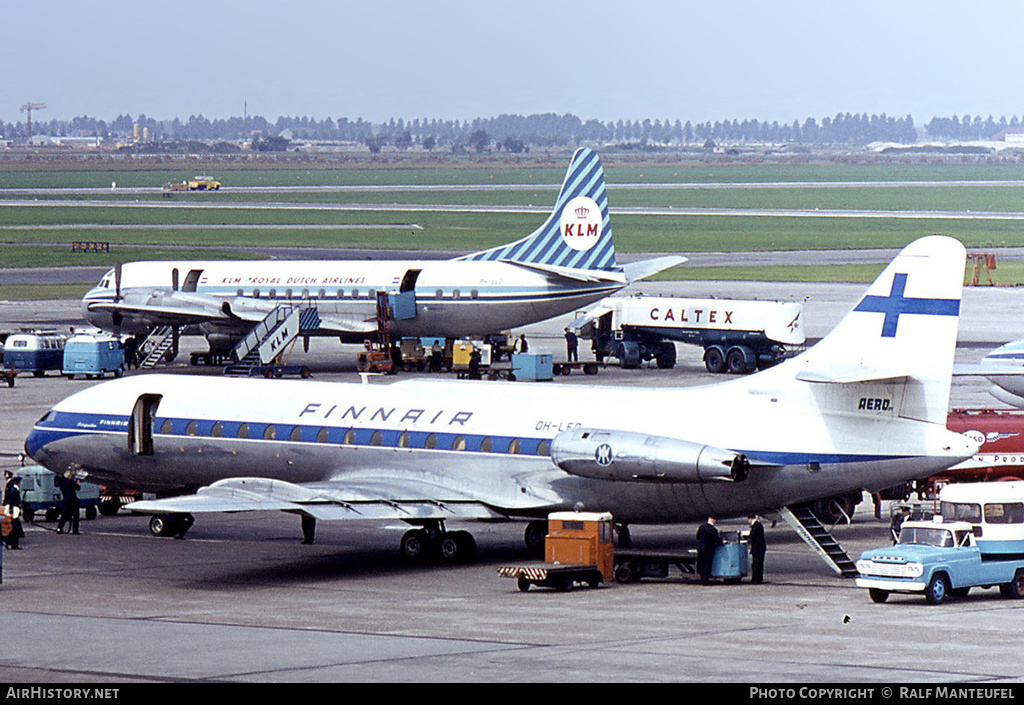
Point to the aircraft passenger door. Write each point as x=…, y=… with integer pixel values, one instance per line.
x=409, y=280
x=192, y=280
x=403, y=304
x=140, y=426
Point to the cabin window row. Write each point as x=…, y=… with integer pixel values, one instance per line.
x=324, y=294
x=457, y=294
x=305, y=294
x=363, y=437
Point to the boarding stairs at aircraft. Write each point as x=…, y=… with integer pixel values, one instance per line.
x=384, y=316
x=813, y=532
x=268, y=340
x=155, y=346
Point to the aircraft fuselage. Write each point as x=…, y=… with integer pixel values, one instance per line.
x=455, y=435
x=452, y=298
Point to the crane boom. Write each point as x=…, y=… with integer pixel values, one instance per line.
x=27, y=108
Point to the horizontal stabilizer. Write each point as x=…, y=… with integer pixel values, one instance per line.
x=644, y=268
x=838, y=373
x=583, y=275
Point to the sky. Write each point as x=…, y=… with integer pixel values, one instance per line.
x=462, y=59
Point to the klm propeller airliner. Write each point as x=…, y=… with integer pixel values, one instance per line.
x=567, y=263
x=865, y=408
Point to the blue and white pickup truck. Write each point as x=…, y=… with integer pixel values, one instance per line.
x=974, y=543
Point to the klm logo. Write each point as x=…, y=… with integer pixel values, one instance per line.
x=581, y=223
x=603, y=455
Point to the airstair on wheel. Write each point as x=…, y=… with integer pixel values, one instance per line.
x=269, y=338
x=813, y=532
x=155, y=346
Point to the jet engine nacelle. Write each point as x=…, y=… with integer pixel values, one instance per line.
x=626, y=456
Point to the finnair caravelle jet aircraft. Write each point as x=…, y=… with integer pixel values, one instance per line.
x=864, y=408
x=565, y=264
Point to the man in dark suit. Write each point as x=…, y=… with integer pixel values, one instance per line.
x=571, y=346
x=707, y=541
x=69, y=507
x=757, y=546
x=13, y=506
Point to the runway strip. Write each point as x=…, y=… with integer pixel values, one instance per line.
x=636, y=186
x=440, y=208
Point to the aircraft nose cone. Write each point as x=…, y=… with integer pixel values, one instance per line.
x=36, y=441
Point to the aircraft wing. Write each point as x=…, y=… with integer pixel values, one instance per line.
x=386, y=498
x=168, y=307
x=178, y=308
x=362, y=324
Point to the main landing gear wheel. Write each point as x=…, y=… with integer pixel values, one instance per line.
x=435, y=543
x=414, y=544
x=456, y=547
x=534, y=536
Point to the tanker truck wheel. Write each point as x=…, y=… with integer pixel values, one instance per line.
x=714, y=360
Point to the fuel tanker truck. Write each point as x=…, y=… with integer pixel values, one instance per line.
x=738, y=336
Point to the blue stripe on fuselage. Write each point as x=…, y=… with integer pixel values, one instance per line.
x=62, y=425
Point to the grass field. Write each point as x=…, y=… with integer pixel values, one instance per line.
x=36, y=233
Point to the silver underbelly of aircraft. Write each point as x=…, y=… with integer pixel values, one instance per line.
x=514, y=485
x=433, y=318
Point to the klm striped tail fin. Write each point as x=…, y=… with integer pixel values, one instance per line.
x=577, y=234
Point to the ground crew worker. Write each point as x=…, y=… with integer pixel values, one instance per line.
x=707, y=541
x=13, y=507
x=69, y=506
x=757, y=546
x=571, y=346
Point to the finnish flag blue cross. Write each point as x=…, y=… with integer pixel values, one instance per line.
x=896, y=304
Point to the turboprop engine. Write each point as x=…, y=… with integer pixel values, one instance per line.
x=626, y=456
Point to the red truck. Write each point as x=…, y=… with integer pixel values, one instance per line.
x=1001, y=434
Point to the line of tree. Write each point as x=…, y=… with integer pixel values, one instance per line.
x=516, y=133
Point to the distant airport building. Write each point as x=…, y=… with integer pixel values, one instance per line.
x=65, y=141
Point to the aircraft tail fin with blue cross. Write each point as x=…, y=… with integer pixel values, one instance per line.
x=899, y=339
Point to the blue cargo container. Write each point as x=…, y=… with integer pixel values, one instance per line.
x=731, y=558
x=35, y=351
x=93, y=355
x=532, y=366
